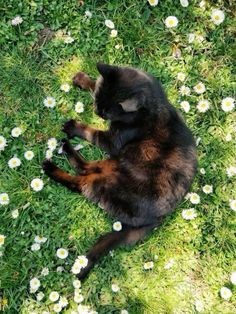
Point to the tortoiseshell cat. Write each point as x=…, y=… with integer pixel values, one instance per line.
x=152, y=155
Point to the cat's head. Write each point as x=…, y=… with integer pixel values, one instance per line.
x=126, y=94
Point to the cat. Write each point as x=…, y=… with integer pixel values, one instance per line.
x=152, y=152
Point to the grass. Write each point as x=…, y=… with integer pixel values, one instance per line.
x=33, y=67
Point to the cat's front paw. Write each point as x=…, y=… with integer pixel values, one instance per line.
x=69, y=128
x=82, y=80
x=48, y=166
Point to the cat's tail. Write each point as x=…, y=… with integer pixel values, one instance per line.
x=111, y=240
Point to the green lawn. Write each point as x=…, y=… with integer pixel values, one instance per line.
x=193, y=259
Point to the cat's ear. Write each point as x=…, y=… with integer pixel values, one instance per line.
x=106, y=70
x=133, y=104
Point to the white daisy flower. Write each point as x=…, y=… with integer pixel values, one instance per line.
x=184, y=90
x=57, y=308
x=49, y=102
x=169, y=264
x=153, y=3
x=115, y=287
x=49, y=154
x=63, y=301
x=124, y=312
x=35, y=247
x=40, y=296
x=199, y=88
x=181, y=76
x=76, y=283
x=117, y=226
x=79, y=107
x=29, y=155
x=45, y=271
x=65, y=87
x=16, y=132
x=227, y=104
x=184, y=3
x=88, y=14
x=185, y=105
x=148, y=265
x=54, y=296
x=17, y=20
x=203, y=105
x=202, y=171
x=37, y=184
x=60, y=269
x=3, y=143
x=194, y=198
x=199, y=306
x=171, y=21
x=62, y=253
x=189, y=214
x=217, y=16
x=233, y=278
x=231, y=171
x=114, y=33
x=15, y=213
x=52, y=143
x=34, y=283
x=82, y=261
x=2, y=239
x=109, y=24
x=40, y=239
x=232, y=204
x=68, y=40
x=225, y=293
x=78, y=298
x=191, y=37
x=4, y=199
x=14, y=162
x=228, y=137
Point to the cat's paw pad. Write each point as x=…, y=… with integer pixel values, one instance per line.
x=48, y=166
x=69, y=128
x=82, y=80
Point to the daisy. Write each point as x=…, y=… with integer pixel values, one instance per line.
x=65, y=87
x=203, y=105
x=82, y=261
x=49, y=154
x=181, y=76
x=34, y=283
x=35, y=247
x=88, y=14
x=115, y=287
x=57, y=308
x=184, y=90
x=3, y=143
x=148, y=265
x=194, y=198
x=202, y=171
x=2, y=239
x=14, y=162
x=184, y=3
x=62, y=253
x=217, y=16
x=52, y=143
x=37, y=184
x=169, y=264
x=4, y=199
x=45, y=271
x=79, y=107
x=40, y=296
x=232, y=204
x=191, y=37
x=153, y=3
x=199, y=88
x=68, y=40
x=29, y=155
x=76, y=283
x=185, y=106
x=49, y=102
x=16, y=132
x=109, y=24
x=63, y=301
x=78, y=298
x=114, y=33
x=15, y=213
x=54, y=296
x=228, y=137
x=17, y=20
x=227, y=104
x=189, y=214
x=40, y=239
x=225, y=293
x=233, y=278
x=60, y=269
x=231, y=171
x=124, y=312
x=199, y=306
x=117, y=226
x=171, y=21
